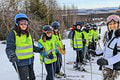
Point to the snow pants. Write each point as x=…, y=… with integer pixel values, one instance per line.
x=26, y=72
x=79, y=57
x=50, y=68
x=85, y=49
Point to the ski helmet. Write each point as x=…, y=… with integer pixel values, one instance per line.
x=55, y=25
x=47, y=28
x=78, y=24
x=87, y=26
x=20, y=16
x=114, y=18
x=94, y=27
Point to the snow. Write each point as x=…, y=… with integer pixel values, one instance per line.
x=8, y=73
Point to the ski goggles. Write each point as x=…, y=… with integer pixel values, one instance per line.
x=23, y=22
x=114, y=18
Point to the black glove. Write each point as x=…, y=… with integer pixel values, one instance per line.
x=42, y=50
x=84, y=42
x=50, y=56
x=13, y=58
x=99, y=38
x=92, y=52
x=102, y=61
x=117, y=33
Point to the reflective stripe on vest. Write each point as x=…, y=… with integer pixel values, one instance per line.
x=78, y=43
x=49, y=47
x=24, y=46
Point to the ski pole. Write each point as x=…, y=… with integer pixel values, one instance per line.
x=42, y=68
x=42, y=72
x=17, y=70
x=64, y=65
x=91, y=68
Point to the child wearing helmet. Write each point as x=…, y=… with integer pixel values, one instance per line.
x=20, y=48
x=95, y=36
x=59, y=48
x=48, y=56
x=111, y=59
x=77, y=44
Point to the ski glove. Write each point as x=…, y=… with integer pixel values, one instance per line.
x=50, y=56
x=13, y=58
x=42, y=50
x=117, y=33
x=102, y=61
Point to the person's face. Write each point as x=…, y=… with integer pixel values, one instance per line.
x=56, y=30
x=23, y=24
x=113, y=25
x=78, y=27
x=49, y=34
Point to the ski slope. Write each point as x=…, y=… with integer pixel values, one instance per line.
x=7, y=71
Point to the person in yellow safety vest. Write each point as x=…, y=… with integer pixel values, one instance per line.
x=95, y=36
x=77, y=44
x=58, y=40
x=48, y=56
x=20, y=48
x=90, y=37
x=85, y=32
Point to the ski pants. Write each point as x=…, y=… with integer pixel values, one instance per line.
x=50, y=68
x=79, y=58
x=58, y=63
x=26, y=72
x=110, y=74
x=85, y=49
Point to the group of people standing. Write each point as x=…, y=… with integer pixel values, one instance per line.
x=83, y=38
x=20, y=47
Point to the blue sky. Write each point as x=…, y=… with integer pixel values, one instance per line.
x=89, y=4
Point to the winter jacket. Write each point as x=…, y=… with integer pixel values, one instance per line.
x=111, y=52
x=11, y=47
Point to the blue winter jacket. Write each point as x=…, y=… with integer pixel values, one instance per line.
x=11, y=47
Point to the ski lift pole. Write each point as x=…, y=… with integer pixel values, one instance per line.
x=15, y=64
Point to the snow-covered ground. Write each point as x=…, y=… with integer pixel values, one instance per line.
x=7, y=71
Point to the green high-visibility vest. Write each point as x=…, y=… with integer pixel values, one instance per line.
x=86, y=37
x=95, y=35
x=90, y=35
x=49, y=46
x=58, y=40
x=77, y=40
x=24, y=46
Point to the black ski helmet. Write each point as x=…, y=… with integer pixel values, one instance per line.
x=78, y=23
x=47, y=28
x=55, y=25
x=94, y=27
